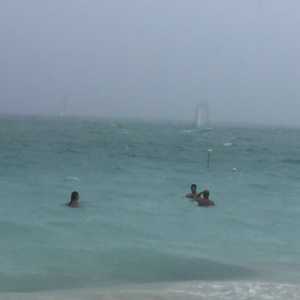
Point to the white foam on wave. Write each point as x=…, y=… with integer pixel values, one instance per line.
x=72, y=178
x=239, y=291
x=228, y=144
x=186, y=131
x=189, y=290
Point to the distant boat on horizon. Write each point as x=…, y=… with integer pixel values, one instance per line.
x=64, y=108
x=202, y=116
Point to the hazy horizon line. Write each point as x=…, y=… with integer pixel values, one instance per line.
x=158, y=120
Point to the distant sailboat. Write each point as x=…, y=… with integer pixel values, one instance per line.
x=198, y=117
x=64, y=108
x=202, y=116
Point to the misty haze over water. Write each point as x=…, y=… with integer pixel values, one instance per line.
x=152, y=60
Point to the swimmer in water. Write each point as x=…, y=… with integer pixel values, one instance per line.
x=203, y=199
x=193, y=195
x=74, y=201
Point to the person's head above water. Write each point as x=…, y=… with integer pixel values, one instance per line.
x=75, y=196
x=74, y=201
x=194, y=188
x=205, y=194
x=203, y=199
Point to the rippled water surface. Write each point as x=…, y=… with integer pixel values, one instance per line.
x=135, y=227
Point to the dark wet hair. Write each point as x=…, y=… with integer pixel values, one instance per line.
x=193, y=186
x=206, y=194
x=74, y=196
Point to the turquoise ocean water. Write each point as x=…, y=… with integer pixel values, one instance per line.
x=136, y=236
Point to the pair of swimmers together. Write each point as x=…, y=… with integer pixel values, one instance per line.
x=202, y=198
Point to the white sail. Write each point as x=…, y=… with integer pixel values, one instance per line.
x=202, y=115
x=198, y=119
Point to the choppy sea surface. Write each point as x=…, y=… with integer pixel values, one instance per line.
x=135, y=235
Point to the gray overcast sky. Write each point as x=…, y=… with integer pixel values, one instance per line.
x=152, y=59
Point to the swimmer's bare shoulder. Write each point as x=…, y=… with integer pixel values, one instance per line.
x=191, y=197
